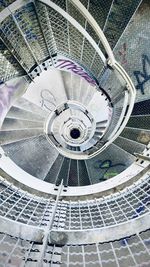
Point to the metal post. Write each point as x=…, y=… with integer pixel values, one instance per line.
x=49, y=227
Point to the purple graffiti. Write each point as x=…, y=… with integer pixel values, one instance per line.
x=69, y=65
x=6, y=93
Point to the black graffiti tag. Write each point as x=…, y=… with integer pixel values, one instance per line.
x=143, y=76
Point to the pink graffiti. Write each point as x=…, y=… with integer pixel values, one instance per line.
x=69, y=65
x=123, y=53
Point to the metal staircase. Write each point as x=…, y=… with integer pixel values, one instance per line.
x=75, y=152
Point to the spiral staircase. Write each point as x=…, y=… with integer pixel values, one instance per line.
x=74, y=117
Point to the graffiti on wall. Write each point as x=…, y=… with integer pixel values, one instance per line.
x=66, y=64
x=48, y=101
x=122, y=53
x=26, y=24
x=108, y=168
x=6, y=94
x=142, y=77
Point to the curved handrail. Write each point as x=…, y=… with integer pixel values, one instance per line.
x=128, y=106
x=132, y=173
x=98, y=235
